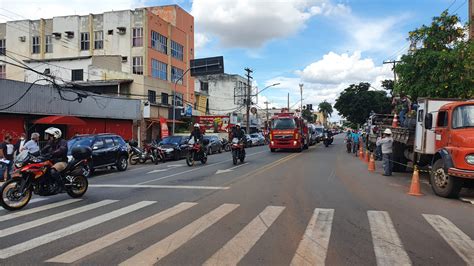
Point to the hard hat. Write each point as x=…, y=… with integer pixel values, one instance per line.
x=55, y=132
x=237, y=125
x=388, y=131
x=196, y=125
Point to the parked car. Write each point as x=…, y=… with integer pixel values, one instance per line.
x=257, y=139
x=107, y=150
x=319, y=133
x=248, y=141
x=215, y=144
x=313, y=134
x=175, y=147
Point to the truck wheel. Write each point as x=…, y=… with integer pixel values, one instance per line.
x=272, y=150
x=443, y=184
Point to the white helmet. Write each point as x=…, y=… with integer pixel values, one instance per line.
x=196, y=125
x=55, y=132
x=237, y=125
x=388, y=131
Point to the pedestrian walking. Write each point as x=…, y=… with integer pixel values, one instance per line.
x=32, y=146
x=355, y=142
x=386, y=141
x=20, y=143
x=6, y=153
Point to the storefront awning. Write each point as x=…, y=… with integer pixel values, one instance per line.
x=61, y=120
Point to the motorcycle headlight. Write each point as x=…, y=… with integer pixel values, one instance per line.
x=470, y=159
x=18, y=165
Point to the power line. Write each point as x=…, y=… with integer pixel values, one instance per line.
x=465, y=1
x=21, y=97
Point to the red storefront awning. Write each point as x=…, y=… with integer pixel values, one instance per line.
x=61, y=120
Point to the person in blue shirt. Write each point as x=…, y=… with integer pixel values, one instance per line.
x=355, y=142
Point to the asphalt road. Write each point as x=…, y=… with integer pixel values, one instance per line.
x=320, y=206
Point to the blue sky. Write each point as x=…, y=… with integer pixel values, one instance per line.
x=324, y=44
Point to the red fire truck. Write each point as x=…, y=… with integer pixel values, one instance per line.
x=288, y=131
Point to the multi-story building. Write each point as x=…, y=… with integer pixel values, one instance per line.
x=220, y=94
x=136, y=53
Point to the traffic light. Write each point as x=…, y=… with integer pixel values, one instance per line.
x=309, y=106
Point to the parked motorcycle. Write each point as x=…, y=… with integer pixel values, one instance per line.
x=32, y=174
x=136, y=153
x=195, y=153
x=238, y=151
x=152, y=152
x=226, y=144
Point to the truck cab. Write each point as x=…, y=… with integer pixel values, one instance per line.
x=288, y=132
x=452, y=129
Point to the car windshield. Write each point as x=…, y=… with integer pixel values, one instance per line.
x=283, y=123
x=319, y=130
x=171, y=140
x=463, y=116
x=81, y=141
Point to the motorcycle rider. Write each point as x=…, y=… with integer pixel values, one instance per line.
x=197, y=135
x=57, y=149
x=239, y=133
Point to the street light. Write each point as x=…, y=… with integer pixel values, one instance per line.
x=274, y=84
x=301, y=93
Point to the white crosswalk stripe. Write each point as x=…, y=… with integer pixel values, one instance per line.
x=457, y=239
x=48, y=219
x=39, y=241
x=18, y=214
x=154, y=253
x=116, y=236
x=313, y=247
x=232, y=252
x=387, y=245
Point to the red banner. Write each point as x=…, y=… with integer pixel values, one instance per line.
x=214, y=122
x=164, y=128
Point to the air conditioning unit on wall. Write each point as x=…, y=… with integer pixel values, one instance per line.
x=22, y=38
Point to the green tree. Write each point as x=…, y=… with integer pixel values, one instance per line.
x=326, y=109
x=440, y=62
x=388, y=85
x=308, y=115
x=356, y=102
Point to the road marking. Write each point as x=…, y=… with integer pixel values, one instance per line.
x=157, y=186
x=48, y=238
x=176, y=165
x=37, y=209
x=230, y=169
x=157, y=171
x=48, y=219
x=234, y=250
x=457, y=239
x=38, y=199
x=164, y=247
x=387, y=245
x=193, y=169
x=466, y=199
x=114, y=237
x=313, y=247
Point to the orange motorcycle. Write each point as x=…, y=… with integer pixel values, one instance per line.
x=32, y=174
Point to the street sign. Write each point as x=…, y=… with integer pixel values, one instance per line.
x=207, y=66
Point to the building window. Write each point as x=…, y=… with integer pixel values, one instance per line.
x=151, y=96
x=85, y=41
x=176, y=74
x=179, y=99
x=98, y=40
x=3, y=71
x=3, y=47
x=204, y=86
x=49, y=44
x=36, y=44
x=159, y=69
x=137, y=65
x=77, y=74
x=159, y=42
x=164, y=98
x=137, y=37
x=176, y=50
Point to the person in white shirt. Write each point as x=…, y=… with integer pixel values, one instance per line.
x=386, y=142
x=19, y=145
x=32, y=145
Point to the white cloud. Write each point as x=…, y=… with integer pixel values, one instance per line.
x=26, y=9
x=251, y=23
x=325, y=79
x=200, y=40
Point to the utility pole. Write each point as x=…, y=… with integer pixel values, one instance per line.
x=288, y=102
x=470, y=14
x=248, y=98
x=266, y=109
x=301, y=102
x=394, y=63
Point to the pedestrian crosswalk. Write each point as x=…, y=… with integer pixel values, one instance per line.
x=312, y=249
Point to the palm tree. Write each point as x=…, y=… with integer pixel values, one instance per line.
x=326, y=109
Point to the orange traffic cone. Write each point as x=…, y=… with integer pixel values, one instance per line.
x=367, y=156
x=395, y=121
x=361, y=153
x=415, y=189
x=372, y=163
